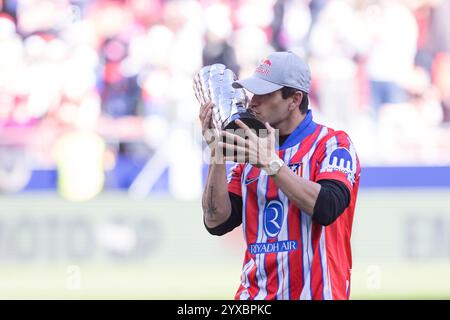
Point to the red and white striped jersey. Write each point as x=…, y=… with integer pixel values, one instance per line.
x=288, y=254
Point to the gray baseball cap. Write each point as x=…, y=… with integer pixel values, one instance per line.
x=279, y=69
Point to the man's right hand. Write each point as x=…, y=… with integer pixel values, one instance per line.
x=209, y=132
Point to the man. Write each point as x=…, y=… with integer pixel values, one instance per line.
x=296, y=200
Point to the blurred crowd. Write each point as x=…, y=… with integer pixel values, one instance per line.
x=87, y=86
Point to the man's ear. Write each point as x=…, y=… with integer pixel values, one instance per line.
x=296, y=100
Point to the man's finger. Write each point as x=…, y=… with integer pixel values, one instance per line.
x=234, y=137
x=269, y=127
x=240, y=158
x=235, y=159
x=234, y=150
x=204, y=109
x=233, y=147
x=206, y=105
x=207, y=123
x=242, y=125
x=271, y=130
x=208, y=115
x=250, y=132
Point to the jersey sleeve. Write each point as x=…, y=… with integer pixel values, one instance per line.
x=234, y=179
x=337, y=160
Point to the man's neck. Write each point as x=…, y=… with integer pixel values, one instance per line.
x=288, y=126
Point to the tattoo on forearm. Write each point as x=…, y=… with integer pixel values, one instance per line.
x=211, y=209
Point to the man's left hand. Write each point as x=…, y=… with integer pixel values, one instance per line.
x=258, y=151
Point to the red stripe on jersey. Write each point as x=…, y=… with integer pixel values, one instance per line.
x=251, y=218
x=316, y=266
x=241, y=288
x=235, y=185
x=295, y=256
x=342, y=140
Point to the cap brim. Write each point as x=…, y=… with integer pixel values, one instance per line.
x=256, y=85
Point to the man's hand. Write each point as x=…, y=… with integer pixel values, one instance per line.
x=205, y=117
x=209, y=131
x=253, y=149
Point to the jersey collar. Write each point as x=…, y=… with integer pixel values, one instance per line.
x=304, y=129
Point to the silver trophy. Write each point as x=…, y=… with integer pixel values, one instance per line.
x=214, y=83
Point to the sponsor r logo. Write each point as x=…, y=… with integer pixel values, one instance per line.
x=273, y=218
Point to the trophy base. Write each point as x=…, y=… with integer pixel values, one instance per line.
x=249, y=119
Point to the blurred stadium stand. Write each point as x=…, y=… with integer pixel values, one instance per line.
x=96, y=104
x=120, y=70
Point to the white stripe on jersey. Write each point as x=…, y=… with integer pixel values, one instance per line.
x=306, y=224
x=244, y=279
x=283, y=257
x=327, y=293
x=246, y=170
x=261, y=275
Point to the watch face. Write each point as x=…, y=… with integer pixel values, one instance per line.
x=274, y=165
